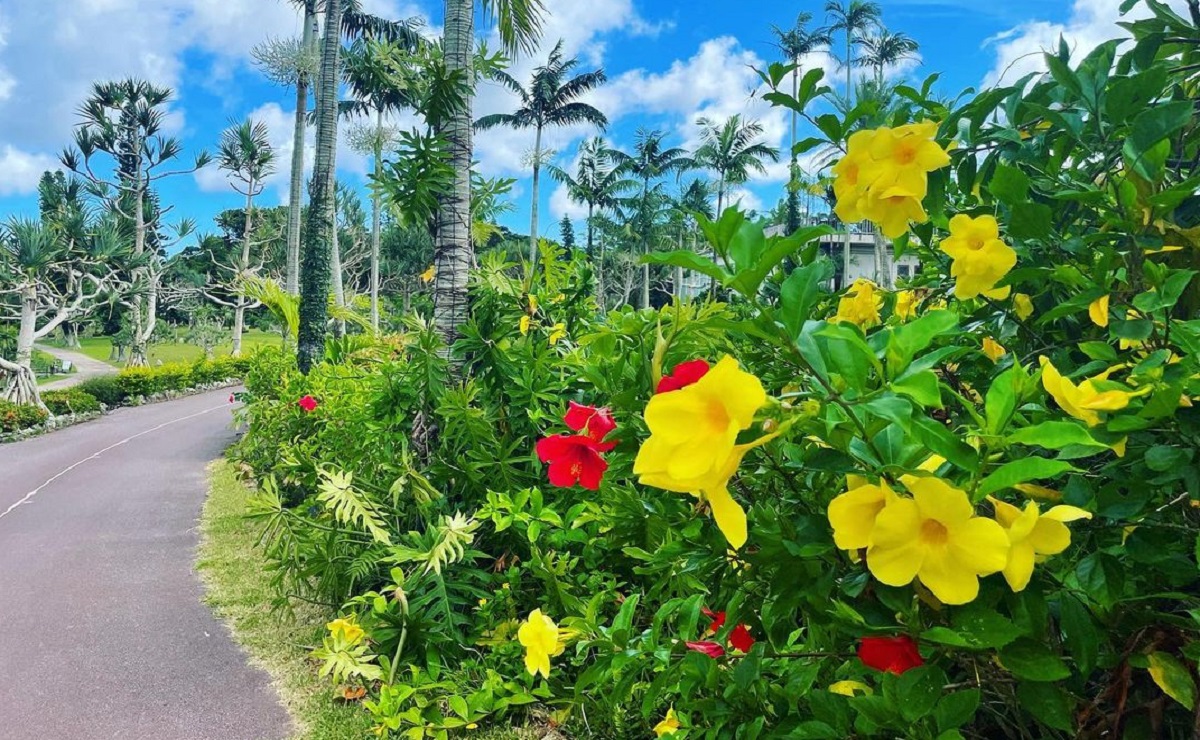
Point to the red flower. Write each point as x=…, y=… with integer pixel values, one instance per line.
x=308, y=403
x=684, y=374
x=231, y=398
x=574, y=458
x=595, y=423
x=739, y=639
x=711, y=649
x=891, y=654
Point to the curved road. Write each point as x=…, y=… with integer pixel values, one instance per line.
x=85, y=367
x=102, y=631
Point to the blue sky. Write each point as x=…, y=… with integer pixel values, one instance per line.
x=669, y=62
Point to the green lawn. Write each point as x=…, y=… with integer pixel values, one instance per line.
x=100, y=348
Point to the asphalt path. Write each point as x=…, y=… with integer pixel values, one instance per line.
x=85, y=368
x=102, y=630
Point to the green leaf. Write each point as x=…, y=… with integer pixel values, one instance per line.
x=1033, y=661
x=1173, y=678
x=956, y=709
x=770, y=253
x=1048, y=704
x=458, y=705
x=1055, y=435
x=1172, y=289
x=917, y=691
x=688, y=261
x=1020, y=471
x=1001, y=399
x=1009, y=184
x=921, y=387
x=800, y=293
x=1155, y=124
x=1080, y=632
x=1160, y=458
x=941, y=440
x=909, y=339
x=1030, y=221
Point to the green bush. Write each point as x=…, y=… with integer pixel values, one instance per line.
x=146, y=381
x=70, y=401
x=14, y=418
x=106, y=389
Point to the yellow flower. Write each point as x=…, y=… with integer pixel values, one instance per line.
x=345, y=630
x=847, y=183
x=1083, y=401
x=852, y=514
x=849, y=688
x=669, y=726
x=936, y=536
x=693, y=433
x=860, y=304
x=472, y=726
x=1131, y=315
x=557, y=333
x=993, y=349
x=892, y=209
x=906, y=305
x=1033, y=536
x=980, y=257
x=1098, y=311
x=904, y=155
x=523, y=325
x=533, y=303
x=539, y=635
x=427, y=276
x=1023, y=306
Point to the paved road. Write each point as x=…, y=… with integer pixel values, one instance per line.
x=102, y=631
x=85, y=367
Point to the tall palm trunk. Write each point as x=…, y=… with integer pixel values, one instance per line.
x=296, y=190
x=601, y=298
x=645, y=231
x=315, y=267
x=793, y=198
x=239, y=310
x=849, y=106
x=335, y=258
x=533, y=218
x=452, y=245
x=375, y=224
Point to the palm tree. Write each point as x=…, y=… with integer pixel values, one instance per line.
x=596, y=184
x=796, y=43
x=519, y=26
x=693, y=199
x=853, y=18
x=550, y=100
x=732, y=150
x=884, y=49
x=245, y=153
x=649, y=162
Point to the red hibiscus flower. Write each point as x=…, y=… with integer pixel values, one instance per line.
x=231, y=399
x=739, y=639
x=711, y=649
x=308, y=403
x=574, y=458
x=891, y=654
x=595, y=423
x=684, y=374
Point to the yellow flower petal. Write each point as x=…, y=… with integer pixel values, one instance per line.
x=1098, y=311
x=853, y=513
x=849, y=688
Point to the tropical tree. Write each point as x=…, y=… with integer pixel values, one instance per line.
x=123, y=122
x=796, y=43
x=651, y=160
x=885, y=49
x=245, y=153
x=519, y=27
x=552, y=99
x=733, y=150
x=692, y=200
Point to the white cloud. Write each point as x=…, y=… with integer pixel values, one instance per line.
x=1020, y=50
x=562, y=205
x=20, y=171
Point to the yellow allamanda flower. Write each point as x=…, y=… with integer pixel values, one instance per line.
x=903, y=156
x=981, y=258
x=893, y=208
x=557, y=333
x=1098, y=311
x=1033, y=536
x=693, y=447
x=852, y=514
x=1085, y=400
x=993, y=349
x=1023, y=305
x=669, y=725
x=539, y=635
x=346, y=630
x=936, y=536
x=524, y=323
x=906, y=305
x=848, y=185
x=428, y=275
x=860, y=304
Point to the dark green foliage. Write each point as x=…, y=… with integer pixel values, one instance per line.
x=70, y=401
x=105, y=389
x=14, y=418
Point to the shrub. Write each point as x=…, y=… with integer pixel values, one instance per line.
x=14, y=418
x=106, y=389
x=70, y=401
x=146, y=381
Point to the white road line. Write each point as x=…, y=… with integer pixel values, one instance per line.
x=96, y=455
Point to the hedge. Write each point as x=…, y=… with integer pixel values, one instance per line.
x=70, y=401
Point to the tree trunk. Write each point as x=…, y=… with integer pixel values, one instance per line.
x=601, y=297
x=239, y=311
x=315, y=267
x=452, y=247
x=339, y=280
x=21, y=384
x=138, y=319
x=793, y=197
x=375, y=223
x=533, y=218
x=883, y=267
x=849, y=106
x=296, y=190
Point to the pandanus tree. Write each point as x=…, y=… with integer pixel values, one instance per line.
x=597, y=183
x=733, y=149
x=796, y=43
x=244, y=153
x=519, y=26
x=122, y=122
x=551, y=100
x=651, y=161
x=56, y=272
